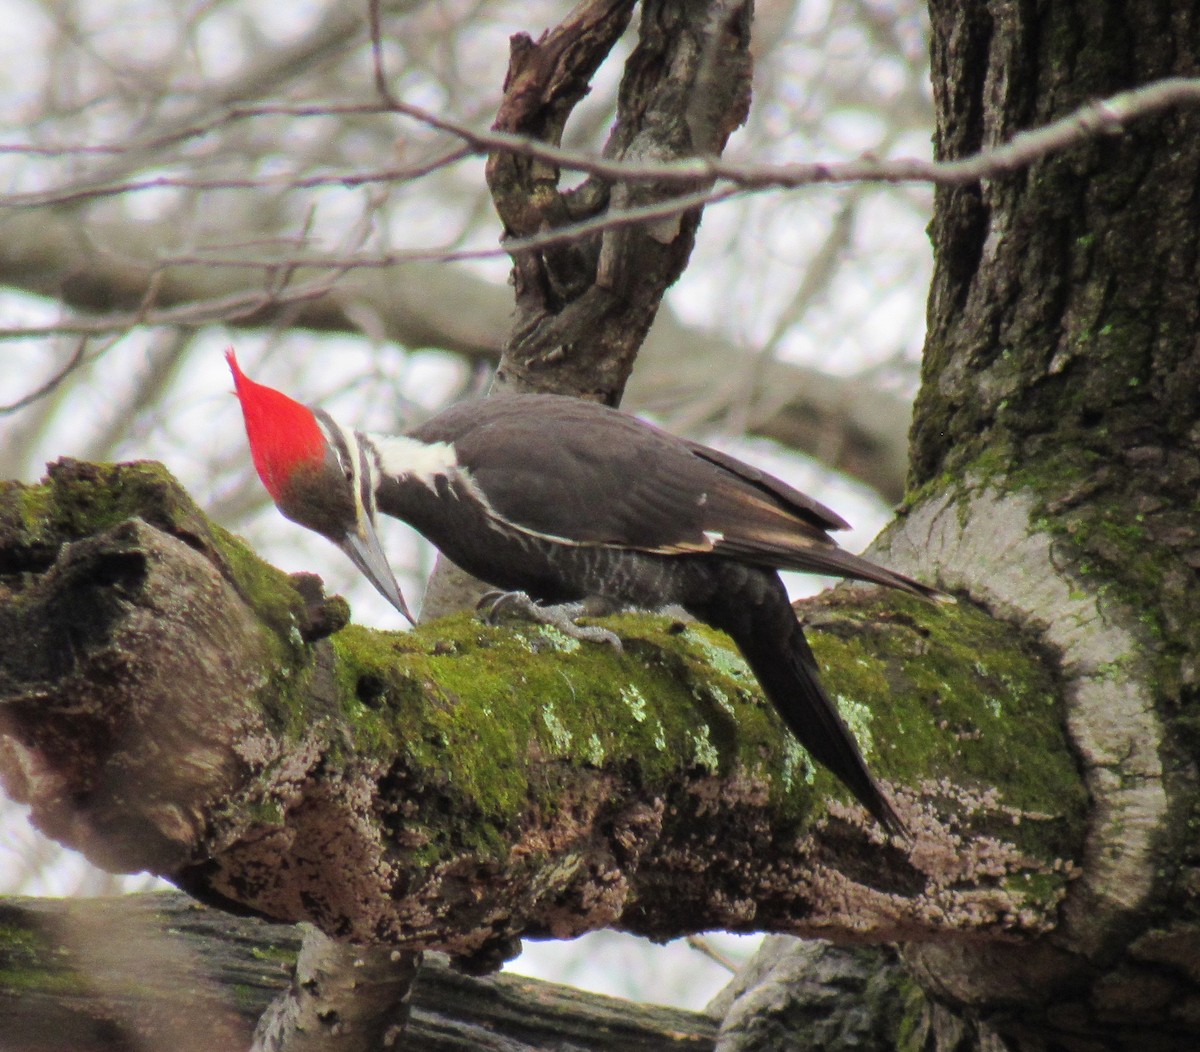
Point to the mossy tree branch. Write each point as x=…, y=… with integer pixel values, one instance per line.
x=168, y=705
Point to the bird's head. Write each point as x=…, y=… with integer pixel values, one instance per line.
x=314, y=473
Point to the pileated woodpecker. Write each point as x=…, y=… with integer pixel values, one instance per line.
x=564, y=500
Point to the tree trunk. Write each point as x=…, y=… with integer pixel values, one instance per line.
x=1055, y=465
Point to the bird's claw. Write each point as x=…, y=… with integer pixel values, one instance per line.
x=496, y=604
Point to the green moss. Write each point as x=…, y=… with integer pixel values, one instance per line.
x=245, y=997
x=79, y=500
x=1111, y=550
x=446, y=699
x=467, y=707
x=373, y=692
x=560, y=737
x=269, y=591
x=929, y=691
x=912, y=1031
x=34, y=980
x=495, y=699
x=33, y=505
x=632, y=697
x=30, y=963
x=272, y=954
x=558, y=639
x=85, y=499
x=1041, y=891
x=858, y=717
x=489, y=726
x=798, y=766
x=595, y=750
x=704, y=752
x=266, y=812
x=719, y=654
x=964, y=698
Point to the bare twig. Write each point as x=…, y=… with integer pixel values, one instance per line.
x=230, y=309
x=705, y=946
x=376, y=24
x=571, y=232
x=227, y=115
x=40, y=392
x=397, y=174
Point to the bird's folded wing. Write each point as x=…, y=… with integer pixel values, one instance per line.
x=587, y=475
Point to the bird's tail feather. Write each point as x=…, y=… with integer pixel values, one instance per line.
x=840, y=563
x=789, y=676
x=751, y=605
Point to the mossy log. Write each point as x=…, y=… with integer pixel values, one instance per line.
x=170, y=703
x=160, y=971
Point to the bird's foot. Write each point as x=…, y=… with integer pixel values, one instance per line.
x=495, y=605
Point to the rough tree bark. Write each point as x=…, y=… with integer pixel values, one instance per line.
x=584, y=309
x=1056, y=457
x=158, y=971
x=1063, y=346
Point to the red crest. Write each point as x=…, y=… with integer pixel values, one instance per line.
x=283, y=434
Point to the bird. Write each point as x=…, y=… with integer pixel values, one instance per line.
x=565, y=500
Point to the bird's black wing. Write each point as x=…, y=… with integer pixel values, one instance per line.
x=759, y=519
x=801, y=505
x=584, y=474
x=579, y=472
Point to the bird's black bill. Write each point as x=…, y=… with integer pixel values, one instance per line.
x=364, y=549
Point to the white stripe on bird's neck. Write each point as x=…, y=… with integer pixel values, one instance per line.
x=399, y=455
x=358, y=469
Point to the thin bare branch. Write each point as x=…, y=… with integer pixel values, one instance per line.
x=49, y=386
x=397, y=174
x=609, y=220
x=1106, y=117
x=706, y=947
x=229, y=309
x=375, y=19
x=224, y=117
